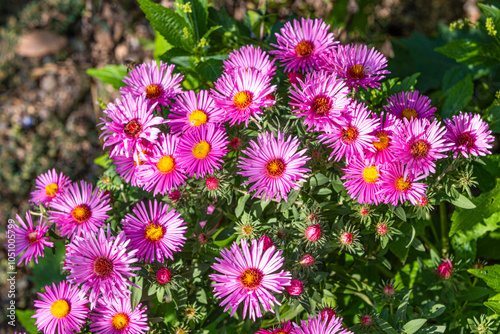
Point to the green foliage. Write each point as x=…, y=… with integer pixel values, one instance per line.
x=24, y=317
x=110, y=74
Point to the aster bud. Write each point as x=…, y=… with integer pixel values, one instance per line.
x=313, y=217
x=270, y=97
x=307, y=260
x=294, y=77
x=295, y=288
x=212, y=183
x=388, y=291
x=202, y=238
x=174, y=196
x=163, y=276
x=235, y=143
x=423, y=201
x=327, y=312
x=313, y=232
x=266, y=242
x=382, y=229
x=346, y=238
x=366, y=320
x=445, y=269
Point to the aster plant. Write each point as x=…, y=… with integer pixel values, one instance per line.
x=291, y=187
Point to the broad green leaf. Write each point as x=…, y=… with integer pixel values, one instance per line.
x=435, y=311
x=111, y=74
x=413, y=326
x=472, y=52
x=490, y=11
x=168, y=23
x=104, y=161
x=226, y=233
x=318, y=179
x=398, y=211
x=25, y=318
x=210, y=69
x=401, y=311
x=135, y=298
x=458, y=97
x=318, y=276
x=405, y=85
x=493, y=305
x=490, y=274
x=494, y=119
x=241, y=205
x=486, y=205
x=200, y=17
x=462, y=202
x=385, y=327
x=432, y=330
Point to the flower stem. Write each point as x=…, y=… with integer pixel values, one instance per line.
x=444, y=227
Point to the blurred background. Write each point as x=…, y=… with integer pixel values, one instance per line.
x=48, y=104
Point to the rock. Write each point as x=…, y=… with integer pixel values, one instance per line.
x=40, y=43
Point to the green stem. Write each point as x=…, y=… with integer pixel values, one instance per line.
x=428, y=243
x=444, y=227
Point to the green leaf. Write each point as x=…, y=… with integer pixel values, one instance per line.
x=25, y=319
x=318, y=180
x=405, y=85
x=413, y=326
x=399, y=211
x=435, y=311
x=432, y=330
x=401, y=311
x=241, y=205
x=493, y=305
x=135, y=298
x=111, y=74
x=200, y=16
x=210, y=69
x=472, y=52
x=385, y=327
x=103, y=161
x=167, y=22
x=226, y=233
x=494, y=119
x=463, y=202
x=486, y=205
x=318, y=276
x=490, y=274
x=458, y=97
x=490, y=11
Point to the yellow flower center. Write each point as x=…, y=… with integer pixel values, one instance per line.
x=153, y=92
x=60, y=308
x=251, y=278
x=370, y=174
x=349, y=135
x=201, y=150
x=81, y=213
x=419, y=149
x=321, y=105
x=166, y=164
x=120, y=321
x=275, y=168
x=402, y=184
x=304, y=49
x=242, y=100
x=154, y=232
x=408, y=113
x=383, y=142
x=51, y=189
x=197, y=118
x=103, y=267
x=356, y=72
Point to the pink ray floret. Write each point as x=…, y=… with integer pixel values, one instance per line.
x=49, y=186
x=117, y=317
x=315, y=325
x=410, y=105
x=250, y=58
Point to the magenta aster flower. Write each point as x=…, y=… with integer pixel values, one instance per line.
x=28, y=239
x=48, y=187
x=357, y=65
x=101, y=264
x=128, y=167
x=384, y=152
x=364, y=181
x=200, y=151
x=248, y=275
x=154, y=232
x=61, y=309
x=155, y=83
x=161, y=172
x=410, y=105
x=80, y=209
x=353, y=136
x=250, y=58
x=286, y=327
x=315, y=325
x=397, y=185
x=301, y=46
x=469, y=135
x=191, y=110
x=117, y=317
x=418, y=143
x=274, y=166
x=131, y=122
x=242, y=95
x=320, y=98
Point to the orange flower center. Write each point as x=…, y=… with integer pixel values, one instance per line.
x=349, y=135
x=304, y=49
x=402, y=184
x=251, y=278
x=154, y=232
x=408, y=113
x=166, y=164
x=321, y=105
x=356, y=72
x=153, y=92
x=198, y=118
x=243, y=100
x=419, y=149
x=383, y=142
x=370, y=174
x=201, y=150
x=103, y=267
x=133, y=128
x=120, y=321
x=51, y=189
x=275, y=168
x=81, y=213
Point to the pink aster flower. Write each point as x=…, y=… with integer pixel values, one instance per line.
x=353, y=136
x=397, y=185
x=469, y=135
x=117, y=317
x=128, y=167
x=102, y=265
x=286, y=327
x=161, y=172
x=80, y=209
x=301, y=45
x=357, y=65
x=315, y=325
x=61, y=309
x=156, y=84
x=274, y=166
x=248, y=275
x=249, y=58
x=191, y=110
x=243, y=95
x=410, y=105
x=28, y=239
x=48, y=187
x=363, y=181
x=384, y=152
x=154, y=231
x=320, y=98
x=419, y=143
x=130, y=122
x=200, y=151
